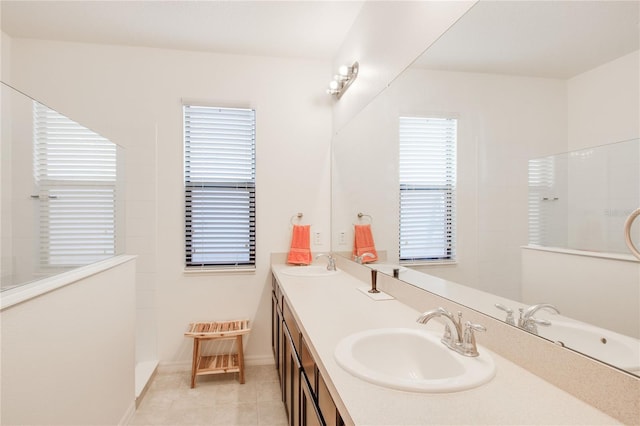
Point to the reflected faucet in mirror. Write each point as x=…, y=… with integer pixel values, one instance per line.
x=529, y=323
x=509, y=311
x=360, y=259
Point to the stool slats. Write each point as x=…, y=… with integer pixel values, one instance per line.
x=218, y=363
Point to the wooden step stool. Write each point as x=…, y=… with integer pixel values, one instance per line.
x=221, y=363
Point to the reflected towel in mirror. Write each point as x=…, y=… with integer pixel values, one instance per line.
x=363, y=243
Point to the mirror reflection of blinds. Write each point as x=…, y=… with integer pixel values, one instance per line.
x=427, y=189
x=75, y=173
x=542, y=181
x=219, y=173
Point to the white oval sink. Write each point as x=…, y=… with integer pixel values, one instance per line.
x=411, y=360
x=613, y=348
x=309, y=271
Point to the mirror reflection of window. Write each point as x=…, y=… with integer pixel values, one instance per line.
x=75, y=177
x=427, y=189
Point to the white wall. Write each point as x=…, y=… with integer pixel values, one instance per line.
x=5, y=170
x=19, y=254
x=68, y=356
x=133, y=96
x=612, y=286
x=384, y=51
x=604, y=103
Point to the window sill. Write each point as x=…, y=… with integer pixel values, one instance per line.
x=432, y=263
x=217, y=271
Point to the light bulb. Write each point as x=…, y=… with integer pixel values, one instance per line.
x=333, y=85
x=343, y=70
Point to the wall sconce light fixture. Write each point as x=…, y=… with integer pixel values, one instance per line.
x=341, y=81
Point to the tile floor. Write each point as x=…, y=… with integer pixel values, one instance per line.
x=216, y=400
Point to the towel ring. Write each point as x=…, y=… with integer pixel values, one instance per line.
x=361, y=215
x=627, y=232
x=295, y=216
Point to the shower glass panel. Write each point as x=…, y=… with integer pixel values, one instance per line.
x=61, y=198
x=580, y=200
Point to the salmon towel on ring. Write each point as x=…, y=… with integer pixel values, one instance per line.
x=300, y=252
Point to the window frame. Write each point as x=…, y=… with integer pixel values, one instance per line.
x=437, y=195
x=217, y=193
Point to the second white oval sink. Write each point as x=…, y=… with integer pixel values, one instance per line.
x=411, y=360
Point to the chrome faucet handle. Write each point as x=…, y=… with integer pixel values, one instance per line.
x=509, y=311
x=469, y=347
x=331, y=261
x=530, y=323
x=447, y=336
x=360, y=259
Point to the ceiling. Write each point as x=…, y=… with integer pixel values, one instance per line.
x=552, y=39
x=556, y=39
x=300, y=29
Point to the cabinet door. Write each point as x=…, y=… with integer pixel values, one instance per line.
x=328, y=408
x=308, y=364
x=309, y=414
x=275, y=328
x=292, y=380
x=280, y=349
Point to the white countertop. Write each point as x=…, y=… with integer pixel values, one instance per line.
x=329, y=309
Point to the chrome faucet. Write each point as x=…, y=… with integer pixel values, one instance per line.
x=529, y=323
x=360, y=259
x=509, y=311
x=331, y=265
x=463, y=343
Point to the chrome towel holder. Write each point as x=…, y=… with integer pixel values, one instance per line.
x=627, y=232
x=294, y=217
x=362, y=215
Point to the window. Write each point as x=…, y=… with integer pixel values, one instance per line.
x=427, y=189
x=219, y=183
x=75, y=175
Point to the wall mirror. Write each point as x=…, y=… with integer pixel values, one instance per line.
x=62, y=194
x=524, y=81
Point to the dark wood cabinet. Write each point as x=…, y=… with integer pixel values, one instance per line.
x=304, y=392
x=292, y=380
x=326, y=405
x=309, y=414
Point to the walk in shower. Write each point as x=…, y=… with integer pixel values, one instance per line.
x=580, y=200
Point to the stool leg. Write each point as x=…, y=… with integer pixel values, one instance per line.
x=240, y=358
x=194, y=364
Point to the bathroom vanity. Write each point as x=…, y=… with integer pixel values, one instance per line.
x=312, y=314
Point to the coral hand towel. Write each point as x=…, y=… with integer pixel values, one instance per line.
x=300, y=252
x=363, y=243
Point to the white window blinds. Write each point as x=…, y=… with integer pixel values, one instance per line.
x=75, y=173
x=427, y=189
x=219, y=179
x=542, y=189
